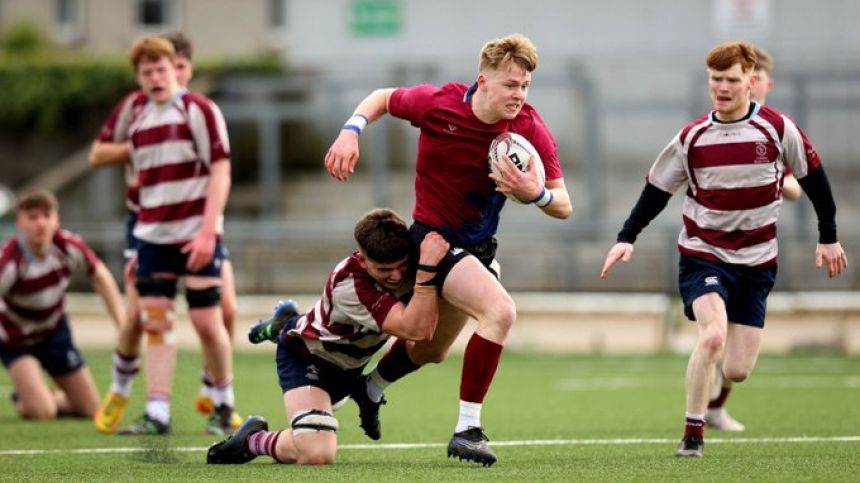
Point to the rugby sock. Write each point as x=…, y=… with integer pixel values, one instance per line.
x=394, y=365
x=470, y=416
x=479, y=366
x=695, y=425
x=222, y=394
x=263, y=443
x=720, y=400
x=122, y=373
x=376, y=386
x=206, y=383
x=158, y=408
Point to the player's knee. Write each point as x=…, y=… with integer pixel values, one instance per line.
x=203, y=298
x=40, y=411
x=428, y=355
x=713, y=341
x=501, y=314
x=317, y=454
x=157, y=318
x=736, y=374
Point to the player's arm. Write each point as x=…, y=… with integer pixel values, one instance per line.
x=343, y=154
x=105, y=285
x=417, y=320
x=202, y=247
x=109, y=154
x=829, y=250
x=791, y=188
x=558, y=204
x=651, y=202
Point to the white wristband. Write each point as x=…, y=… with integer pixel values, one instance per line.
x=356, y=123
x=544, y=199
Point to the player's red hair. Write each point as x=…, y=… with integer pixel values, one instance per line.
x=151, y=49
x=727, y=54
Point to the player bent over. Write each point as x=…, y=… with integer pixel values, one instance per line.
x=455, y=195
x=321, y=354
x=731, y=162
x=35, y=267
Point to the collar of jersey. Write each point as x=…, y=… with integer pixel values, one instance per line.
x=755, y=107
x=467, y=97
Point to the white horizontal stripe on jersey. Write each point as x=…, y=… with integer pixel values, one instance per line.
x=43, y=299
x=730, y=220
x=172, y=192
x=163, y=154
x=738, y=175
x=168, y=232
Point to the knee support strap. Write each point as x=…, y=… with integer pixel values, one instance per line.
x=203, y=298
x=313, y=420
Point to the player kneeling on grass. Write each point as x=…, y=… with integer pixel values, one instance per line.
x=35, y=267
x=321, y=354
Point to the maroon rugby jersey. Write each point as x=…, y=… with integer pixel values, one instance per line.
x=453, y=192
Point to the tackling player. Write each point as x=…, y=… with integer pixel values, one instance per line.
x=35, y=268
x=731, y=162
x=321, y=354
x=456, y=196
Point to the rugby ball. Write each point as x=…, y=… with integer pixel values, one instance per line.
x=519, y=149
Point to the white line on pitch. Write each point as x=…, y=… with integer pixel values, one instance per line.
x=535, y=442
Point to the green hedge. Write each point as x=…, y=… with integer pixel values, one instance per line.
x=43, y=93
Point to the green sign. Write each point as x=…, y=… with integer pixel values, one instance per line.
x=376, y=18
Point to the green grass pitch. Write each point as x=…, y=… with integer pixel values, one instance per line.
x=551, y=418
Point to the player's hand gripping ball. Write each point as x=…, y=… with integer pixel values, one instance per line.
x=519, y=149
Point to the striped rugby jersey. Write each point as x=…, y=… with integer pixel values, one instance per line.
x=173, y=146
x=33, y=291
x=733, y=173
x=345, y=326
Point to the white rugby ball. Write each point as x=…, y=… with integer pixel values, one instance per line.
x=519, y=149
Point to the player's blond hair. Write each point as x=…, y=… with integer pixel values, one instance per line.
x=516, y=48
x=151, y=49
x=727, y=54
x=764, y=61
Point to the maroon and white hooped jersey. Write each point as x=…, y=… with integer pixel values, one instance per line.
x=733, y=173
x=345, y=326
x=33, y=290
x=173, y=148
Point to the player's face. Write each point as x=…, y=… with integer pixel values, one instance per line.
x=506, y=89
x=38, y=226
x=762, y=85
x=157, y=79
x=390, y=275
x=730, y=92
x=184, y=70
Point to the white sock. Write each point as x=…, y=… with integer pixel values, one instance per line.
x=122, y=374
x=697, y=417
x=470, y=416
x=223, y=394
x=376, y=386
x=159, y=410
x=205, y=384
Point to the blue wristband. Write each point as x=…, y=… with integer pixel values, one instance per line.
x=352, y=127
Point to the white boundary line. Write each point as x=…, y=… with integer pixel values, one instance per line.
x=535, y=442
